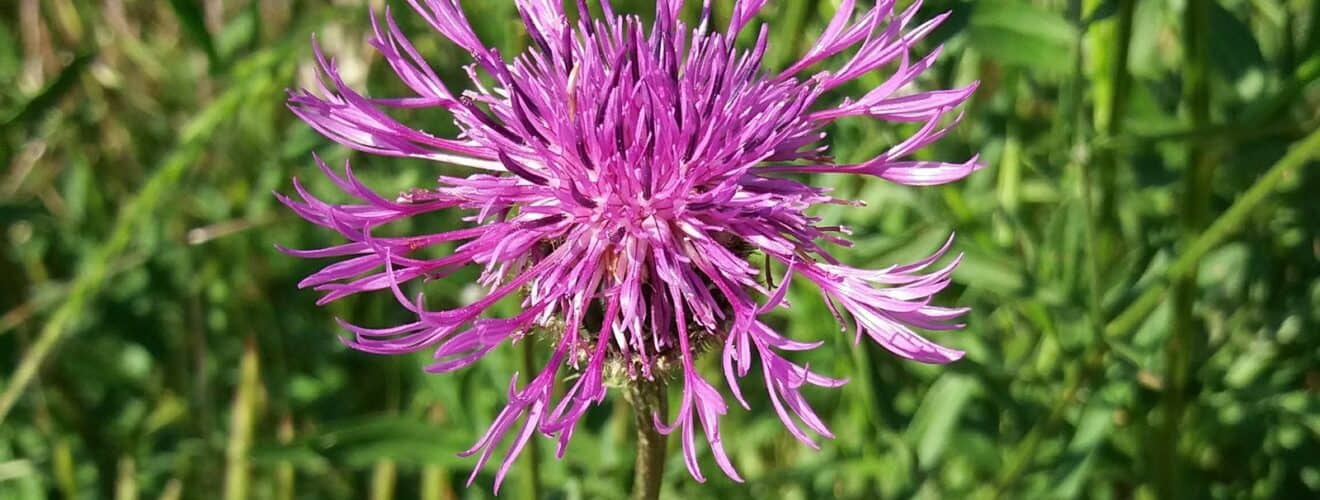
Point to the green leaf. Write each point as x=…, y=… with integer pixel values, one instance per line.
x=1224, y=270
x=16, y=469
x=989, y=272
x=194, y=24
x=237, y=34
x=50, y=96
x=1144, y=55
x=1249, y=365
x=934, y=422
x=1071, y=471
x=1233, y=48
x=1023, y=35
x=11, y=58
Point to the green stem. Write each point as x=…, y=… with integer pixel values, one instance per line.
x=648, y=398
x=1194, y=205
x=1120, y=81
x=533, y=448
x=1223, y=227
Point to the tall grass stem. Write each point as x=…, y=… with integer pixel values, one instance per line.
x=1194, y=204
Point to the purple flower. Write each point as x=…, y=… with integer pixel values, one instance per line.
x=624, y=175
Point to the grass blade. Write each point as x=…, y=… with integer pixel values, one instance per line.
x=242, y=420
x=193, y=21
x=50, y=96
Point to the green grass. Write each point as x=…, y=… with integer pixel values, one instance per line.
x=1143, y=264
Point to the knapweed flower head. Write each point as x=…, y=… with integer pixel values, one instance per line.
x=621, y=176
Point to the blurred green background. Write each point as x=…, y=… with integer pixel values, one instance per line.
x=1142, y=264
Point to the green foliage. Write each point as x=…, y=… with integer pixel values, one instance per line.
x=153, y=342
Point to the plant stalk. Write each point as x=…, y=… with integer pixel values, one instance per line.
x=1183, y=338
x=648, y=398
x=533, y=448
x=1120, y=82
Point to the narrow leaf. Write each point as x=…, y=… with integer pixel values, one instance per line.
x=194, y=24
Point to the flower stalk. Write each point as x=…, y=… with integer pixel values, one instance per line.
x=534, y=449
x=648, y=398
